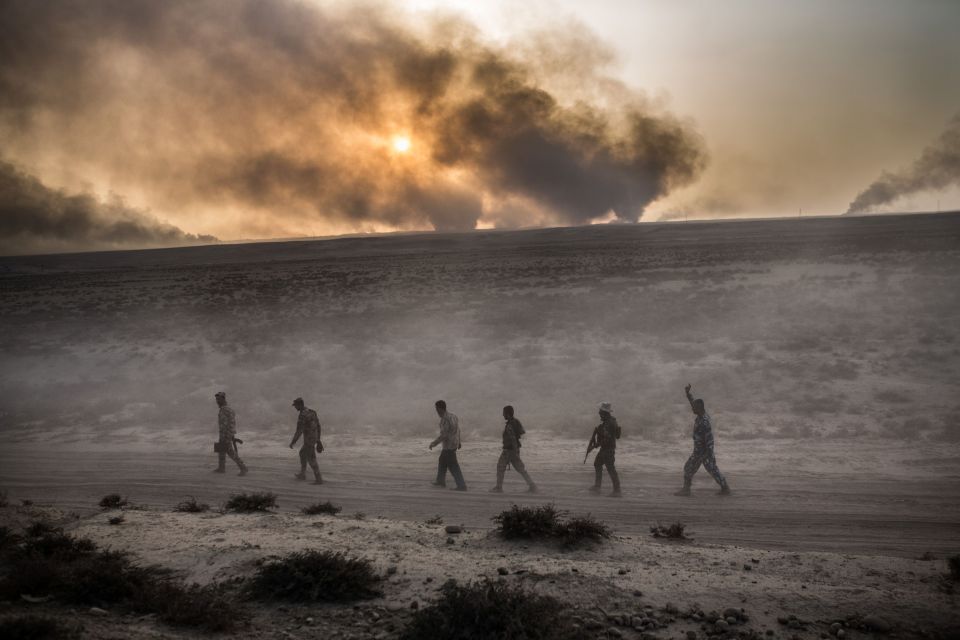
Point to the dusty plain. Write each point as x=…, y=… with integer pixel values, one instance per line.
x=827, y=350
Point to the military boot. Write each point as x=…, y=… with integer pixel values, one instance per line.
x=724, y=490
x=318, y=479
x=685, y=491
x=496, y=490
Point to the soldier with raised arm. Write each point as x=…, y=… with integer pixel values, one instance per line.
x=702, y=449
x=605, y=438
x=227, y=446
x=308, y=426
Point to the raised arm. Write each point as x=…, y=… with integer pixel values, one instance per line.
x=689, y=395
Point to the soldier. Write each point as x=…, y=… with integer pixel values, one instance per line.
x=227, y=446
x=308, y=425
x=605, y=438
x=512, y=431
x=702, y=449
x=450, y=437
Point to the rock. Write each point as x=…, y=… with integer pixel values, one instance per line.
x=637, y=593
x=782, y=619
x=721, y=625
x=841, y=634
x=502, y=571
x=731, y=619
x=593, y=625
x=747, y=567
x=450, y=540
x=414, y=605
x=613, y=632
x=97, y=611
x=671, y=608
x=392, y=569
x=394, y=606
x=878, y=624
x=730, y=612
x=691, y=635
x=453, y=528
x=308, y=620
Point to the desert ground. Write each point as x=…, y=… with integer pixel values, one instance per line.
x=827, y=351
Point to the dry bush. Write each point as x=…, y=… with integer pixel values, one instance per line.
x=207, y=607
x=315, y=576
x=251, y=502
x=33, y=627
x=494, y=611
x=437, y=519
x=546, y=522
x=113, y=501
x=326, y=508
x=116, y=520
x=671, y=532
x=190, y=505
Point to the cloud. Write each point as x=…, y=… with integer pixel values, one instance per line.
x=938, y=167
x=34, y=217
x=283, y=113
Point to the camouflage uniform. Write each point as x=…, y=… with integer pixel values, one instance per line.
x=510, y=455
x=450, y=438
x=308, y=425
x=605, y=438
x=702, y=451
x=227, y=420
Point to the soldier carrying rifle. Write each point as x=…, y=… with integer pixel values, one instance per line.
x=227, y=444
x=605, y=438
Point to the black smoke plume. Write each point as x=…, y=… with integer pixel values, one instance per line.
x=37, y=218
x=283, y=112
x=937, y=167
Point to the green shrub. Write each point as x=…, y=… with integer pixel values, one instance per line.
x=671, y=532
x=548, y=523
x=190, y=505
x=113, y=501
x=207, y=608
x=580, y=529
x=33, y=627
x=531, y=523
x=327, y=508
x=315, y=576
x=251, y=502
x=494, y=611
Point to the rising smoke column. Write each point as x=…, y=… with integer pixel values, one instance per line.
x=937, y=167
x=36, y=217
x=282, y=113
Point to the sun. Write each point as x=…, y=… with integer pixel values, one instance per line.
x=401, y=144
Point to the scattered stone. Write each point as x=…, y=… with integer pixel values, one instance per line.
x=691, y=635
x=622, y=572
x=671, y=608
x=97, y=611
x=450, y=540
x=721, y=625
x=730, y=612
x=613, y=632
x=503, y=571
x=876, y=623
x=453, y=528
x=637, y=593
x=748, y=567
x=392, y=569
x=731, y=619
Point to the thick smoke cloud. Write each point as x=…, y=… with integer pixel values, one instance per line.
x=37, y=217
x=937, y=167
x=284, y=114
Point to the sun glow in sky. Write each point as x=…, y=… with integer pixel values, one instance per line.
x=401, y=144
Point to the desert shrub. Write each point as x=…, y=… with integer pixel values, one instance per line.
x=547, y=523
x=8, y=538
x=190, y=505
x=359, y=515
x=437, y=519
x=492, y=610
x=26, y=503
x=3, y=499
x=671, y=532
x=116, y=520
x=33, y=627
x=531, y=523
x=953, y=563
x=207, y=607
x=40, y=528
x=581, y=529
x=327, y=508
x=76, y=571
x=251, y=502
x=113, y=501
x=315, y=576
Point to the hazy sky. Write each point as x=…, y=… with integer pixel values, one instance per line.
x=134, y=123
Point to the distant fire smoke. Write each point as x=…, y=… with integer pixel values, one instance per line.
x=285, y=114
x=937, y=167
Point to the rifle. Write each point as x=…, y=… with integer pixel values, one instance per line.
x=591, y=446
